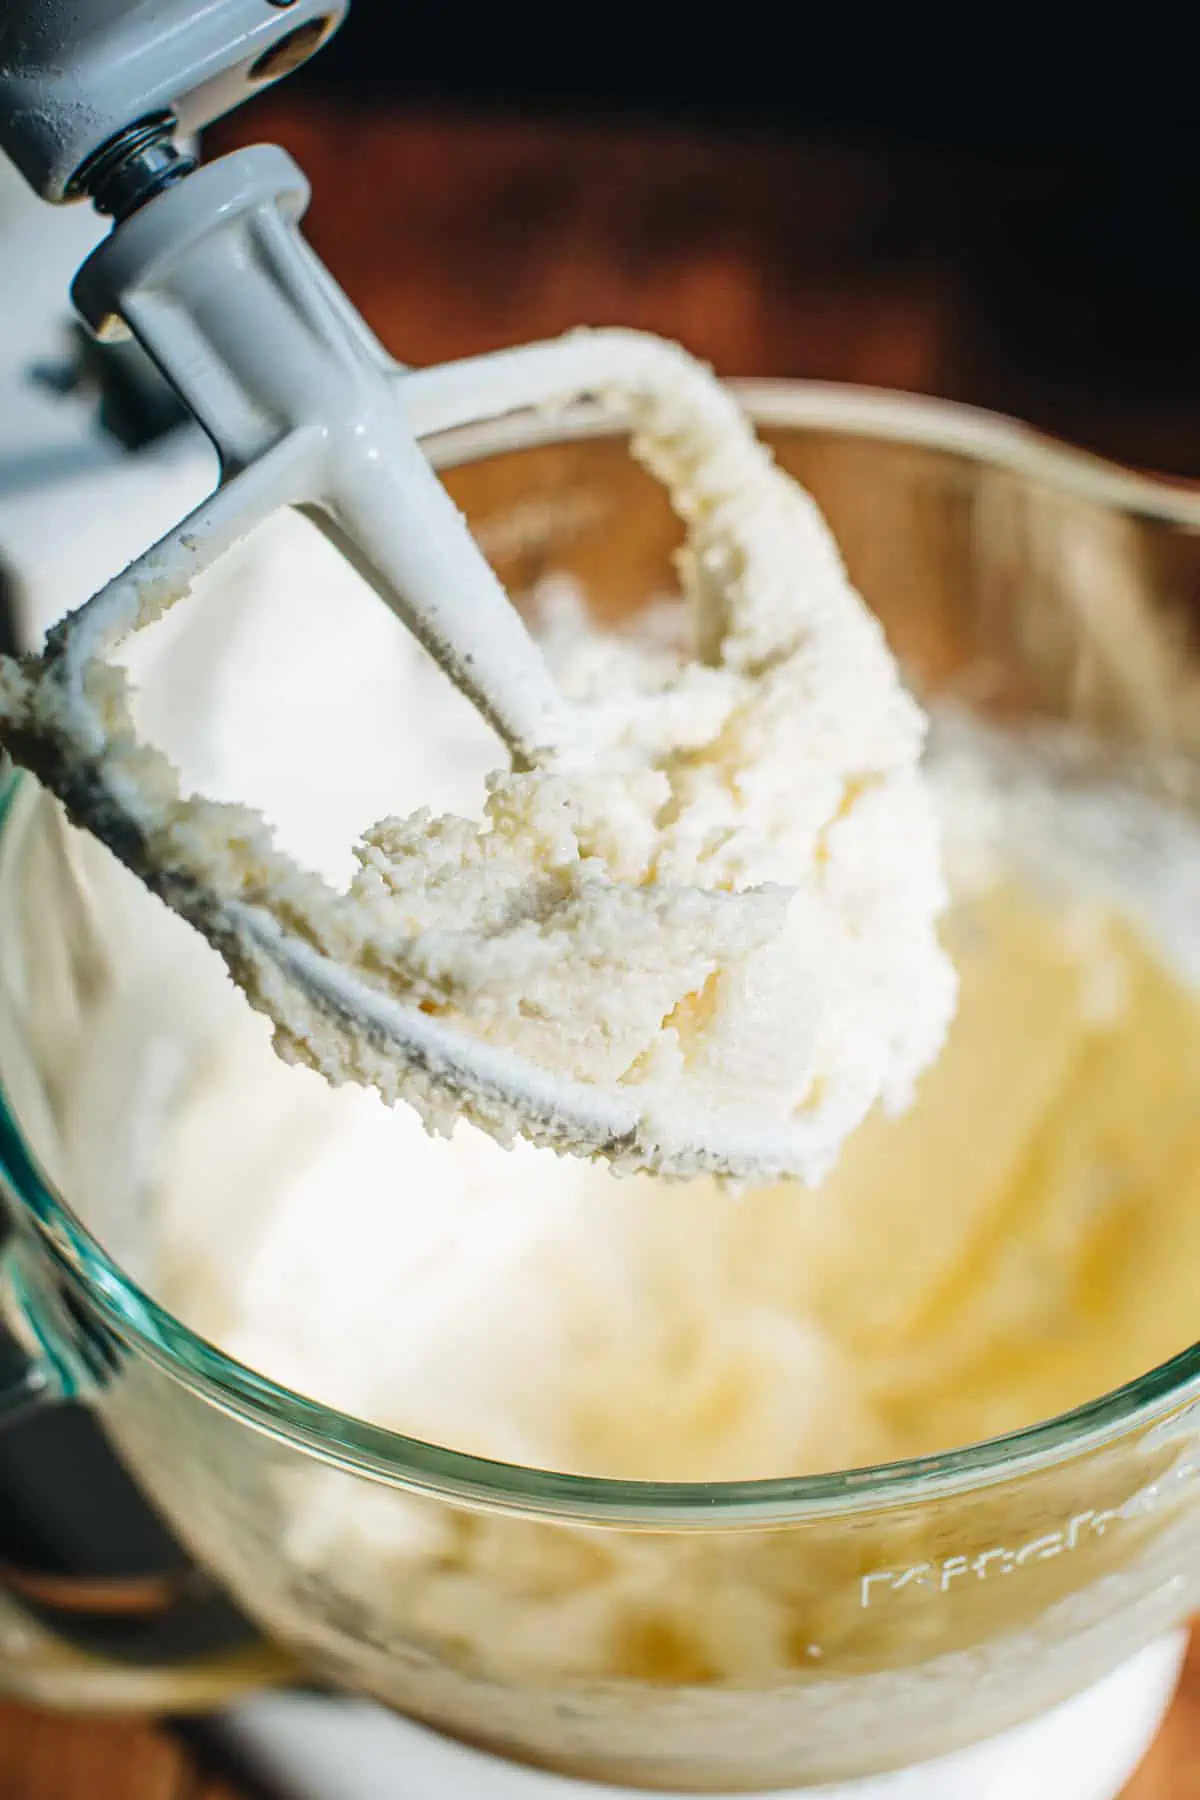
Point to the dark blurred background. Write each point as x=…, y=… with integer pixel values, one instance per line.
x=997, y=215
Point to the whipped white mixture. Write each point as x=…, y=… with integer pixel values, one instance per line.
x=722, y=909
x=530, y=1308
x=581, y=1293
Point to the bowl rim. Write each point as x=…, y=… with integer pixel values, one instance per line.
x=142, y=1327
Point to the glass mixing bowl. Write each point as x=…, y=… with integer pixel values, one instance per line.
x=919, y=1607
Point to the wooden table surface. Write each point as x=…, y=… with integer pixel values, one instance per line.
x=979, y=281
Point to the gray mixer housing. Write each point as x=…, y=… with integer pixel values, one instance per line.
x=77, y=75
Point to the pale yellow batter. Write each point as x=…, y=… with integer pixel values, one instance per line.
x=1024, y=1239
x=1028, y=1236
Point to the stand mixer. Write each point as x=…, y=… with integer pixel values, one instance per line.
x=308, y=1744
